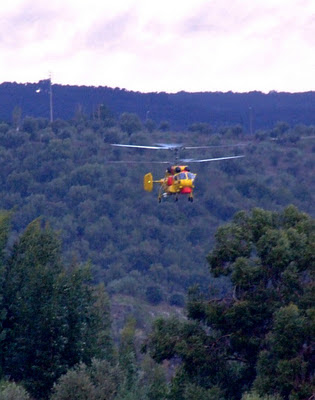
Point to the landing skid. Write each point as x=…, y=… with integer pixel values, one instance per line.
x=166, y=195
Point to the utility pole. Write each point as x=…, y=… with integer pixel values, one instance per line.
x=50, y=99
x=251, y=120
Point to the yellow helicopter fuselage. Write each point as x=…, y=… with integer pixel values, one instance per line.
x=177, y=180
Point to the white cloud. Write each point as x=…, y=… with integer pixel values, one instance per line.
x=201, y=45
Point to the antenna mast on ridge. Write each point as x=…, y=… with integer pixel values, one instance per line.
x=50, y=99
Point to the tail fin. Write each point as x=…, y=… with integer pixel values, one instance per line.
x=148, y=182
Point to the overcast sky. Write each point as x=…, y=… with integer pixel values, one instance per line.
x=161, y=45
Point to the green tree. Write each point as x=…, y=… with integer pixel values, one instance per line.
x=4, y=232
x=76, y=384
x=244, y=337
x=100, y=381
x=4, y=127
x=30, y=125
x=285, y=366
x=104, y=348
x=16, y=117
x=127, y=354
x=252, y=395
x=130, y=123
x=105, y=115
x=201, y=127
x=153, y=380
x=164, y=126
x=50, y=320
x=154, y=294
x=13, y=391
x=150, y=125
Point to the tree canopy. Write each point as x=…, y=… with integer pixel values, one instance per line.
x=63, y=172
x=259, y=336
x=50, y=320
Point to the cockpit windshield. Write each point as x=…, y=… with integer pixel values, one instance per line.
x=191, y=176
x=185, y=175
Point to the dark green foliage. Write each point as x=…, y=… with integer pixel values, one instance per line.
x=203, y=356
x=130, y=123
x=60, y=171
x=195, y=392
x=4, y=127
x=75, y=384
x=30, y=125
x=252, y=395
x=105, y=114
x=142, y=379
x=51, y=319
x=201, y=127
x=16, y=117
x=5, y=219
x=285, y=366
x=104, y=381
x=177, y=299
x=149, y=125
x=100, y=381
x=280, y=128
x=127, y=354
x=153, y=380
x=255, y=110
x=260, y=335
x=154, y=294
x=12, y=391
x=164, y=126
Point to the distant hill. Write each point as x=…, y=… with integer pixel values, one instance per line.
x=253, y=110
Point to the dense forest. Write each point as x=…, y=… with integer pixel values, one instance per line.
x=254, y=343
x=252, y=110
x=154, y=252
x=82, y=284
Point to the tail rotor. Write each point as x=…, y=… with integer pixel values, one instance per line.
x=148, y=182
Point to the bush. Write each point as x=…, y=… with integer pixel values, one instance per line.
x=255, y=396
x=74, y=385
x=99, y=382
x=4, y=127
x=177, y=299
x=130, y=123
x=154, y=295
x=12, y=391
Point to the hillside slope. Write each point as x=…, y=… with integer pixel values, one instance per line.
x=152, y=251
x=253, y=110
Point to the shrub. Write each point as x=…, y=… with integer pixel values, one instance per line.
x=12, y=391
x=177, y=299
x=154, y=294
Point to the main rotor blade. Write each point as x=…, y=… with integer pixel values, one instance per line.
x=137, y=162
x=139, y=147
x=170, y=146
x=192, y=160
x=220, y=145
x=175, y=146
x=307, y=137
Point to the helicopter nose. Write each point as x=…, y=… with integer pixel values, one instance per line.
x=186, y=189
x=186, y=183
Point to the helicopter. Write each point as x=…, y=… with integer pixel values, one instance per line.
x=178, y=180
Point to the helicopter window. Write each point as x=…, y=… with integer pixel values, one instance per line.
x=182, y=175
x=191, y=176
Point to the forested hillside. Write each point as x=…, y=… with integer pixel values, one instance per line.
x=258, y=341
x=100, y=234
x=253, y=343
x=253, y=110
x=153, y=252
